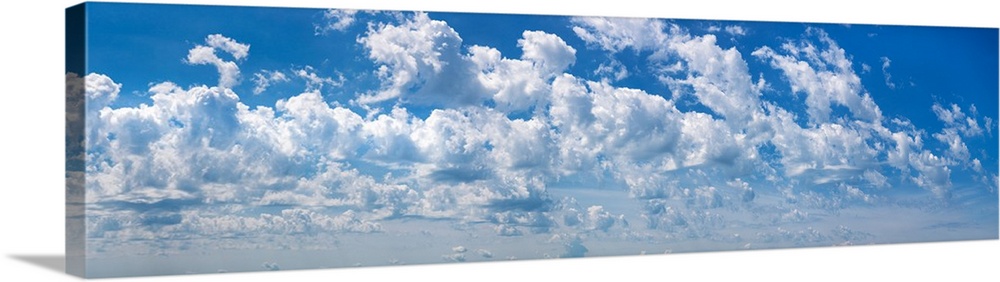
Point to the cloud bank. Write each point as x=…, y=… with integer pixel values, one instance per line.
x=468, y=134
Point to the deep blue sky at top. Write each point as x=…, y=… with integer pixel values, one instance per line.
x=139, y=45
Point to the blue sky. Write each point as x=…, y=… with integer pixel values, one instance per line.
x=299, y=131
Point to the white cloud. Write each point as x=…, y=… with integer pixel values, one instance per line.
x=229, y=73
x=421, y=54
x=507, y=230
x=989, y=125
x=906, y=144
x=735, y=30
x=336, y=19
x=421, y=61
x=315, y=82
x=934, y=174
x=390, y=135
x=885, y=72
x=825, y=76
x=100, y=91
x=746, y=193
x=720, y=78
x=955, y=119
x=613, y=68
x=617, y=34
x=236, y=49
x=547, y=51
x=317, y=128
x=876, y=179
x=484, y=253
x=599, y=219
x=830, y=152
x=516, y=85
x=454, y=257
x=264, y=78
x=574, y=249
x=856, y=193
x=956, y=146
x=471, y=162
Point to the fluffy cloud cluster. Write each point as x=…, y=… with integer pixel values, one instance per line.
x=422, y=61
x=500, y=132
x=830, y=147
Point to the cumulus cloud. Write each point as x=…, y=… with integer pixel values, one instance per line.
x=422, y=61
x=418, y=54
x=100, y=91
x=229, y=72
x=829, y=149
x=491, y=134
x=547, y=51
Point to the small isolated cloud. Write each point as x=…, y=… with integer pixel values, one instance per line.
x=484, y=253
x=885, y=72
x=989, y=125
x=264, y=78
x=336, y=19
x=314, y=82
x=735, y=30
x=458, y=257
x=229, y=72
x=270, y=266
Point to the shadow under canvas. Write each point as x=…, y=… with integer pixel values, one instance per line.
x=51, y=262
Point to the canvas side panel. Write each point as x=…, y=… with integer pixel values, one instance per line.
x=76, y=34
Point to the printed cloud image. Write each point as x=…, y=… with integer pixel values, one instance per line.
x=226, y=139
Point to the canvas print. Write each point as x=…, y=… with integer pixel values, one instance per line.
x=204, y=139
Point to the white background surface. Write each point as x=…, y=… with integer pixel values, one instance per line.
x=31, y=158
